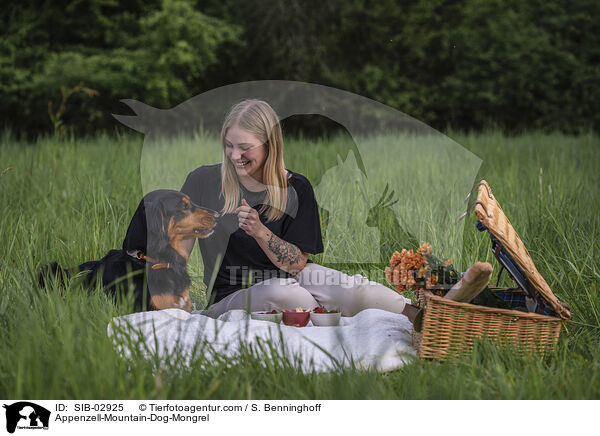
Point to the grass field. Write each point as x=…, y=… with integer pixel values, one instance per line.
x=72, y=200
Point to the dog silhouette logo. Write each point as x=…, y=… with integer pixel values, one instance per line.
x=26, y=415
x=425, y=171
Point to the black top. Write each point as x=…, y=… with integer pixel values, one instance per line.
x=240, y=253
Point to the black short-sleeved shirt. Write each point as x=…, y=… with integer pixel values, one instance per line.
x=239, y=252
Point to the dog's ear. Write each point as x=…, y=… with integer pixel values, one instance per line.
x=136, y=236
x=155, y=217
x=157, y=224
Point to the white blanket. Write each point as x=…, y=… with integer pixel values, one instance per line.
x=372, y=339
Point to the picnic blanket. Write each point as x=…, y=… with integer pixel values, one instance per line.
x=372, y=339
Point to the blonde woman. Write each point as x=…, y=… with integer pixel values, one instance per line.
x=257, y=259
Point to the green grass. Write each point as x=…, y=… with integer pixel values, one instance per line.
x=71, y=201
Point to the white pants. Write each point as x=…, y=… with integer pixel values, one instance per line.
x=314, y=286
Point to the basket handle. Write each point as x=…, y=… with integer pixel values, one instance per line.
x=471, y=207
x=477, y=186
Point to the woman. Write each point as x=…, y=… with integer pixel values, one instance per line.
x=258, y=255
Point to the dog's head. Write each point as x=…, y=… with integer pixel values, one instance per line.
x=164, y=216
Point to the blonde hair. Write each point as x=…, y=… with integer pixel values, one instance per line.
x=259, y=119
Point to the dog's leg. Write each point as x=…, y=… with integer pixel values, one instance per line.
x=185, y=302
x=170, y=301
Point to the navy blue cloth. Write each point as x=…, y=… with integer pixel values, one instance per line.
x=516, y=299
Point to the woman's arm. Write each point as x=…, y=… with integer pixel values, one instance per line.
x=284, y=255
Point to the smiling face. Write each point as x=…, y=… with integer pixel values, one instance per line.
x=246, y=153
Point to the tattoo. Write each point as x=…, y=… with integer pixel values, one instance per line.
x=284, y=251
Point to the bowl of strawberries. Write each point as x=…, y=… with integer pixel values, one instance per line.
x=325, y=318
x=296, y=318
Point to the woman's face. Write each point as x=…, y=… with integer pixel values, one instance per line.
x=247, y=153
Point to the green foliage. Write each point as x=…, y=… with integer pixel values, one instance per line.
x=467, y=64
x=476, y=63
x=156, y=52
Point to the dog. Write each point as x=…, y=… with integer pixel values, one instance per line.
x=152, y=258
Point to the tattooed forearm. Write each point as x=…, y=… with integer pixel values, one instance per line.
x=284, y=255
x=285, y=252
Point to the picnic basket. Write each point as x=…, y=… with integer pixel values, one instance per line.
x=532, y=324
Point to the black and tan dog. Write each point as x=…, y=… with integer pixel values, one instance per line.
x=152, y=261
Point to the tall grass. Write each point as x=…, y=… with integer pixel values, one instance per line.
x=71, y=201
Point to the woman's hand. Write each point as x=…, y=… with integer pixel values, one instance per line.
x=249, y=220
x=284, y=255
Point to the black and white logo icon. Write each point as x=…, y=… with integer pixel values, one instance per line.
x=26, y=415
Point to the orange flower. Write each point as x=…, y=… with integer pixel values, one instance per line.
x=425, y=248
x=409, y=269
x=388, y=273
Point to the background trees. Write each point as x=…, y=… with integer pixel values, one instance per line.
x=468, y=64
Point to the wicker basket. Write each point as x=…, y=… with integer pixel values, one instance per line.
x=449, y=327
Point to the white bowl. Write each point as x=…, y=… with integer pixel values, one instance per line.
x=262, y=316
x=325, y=319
